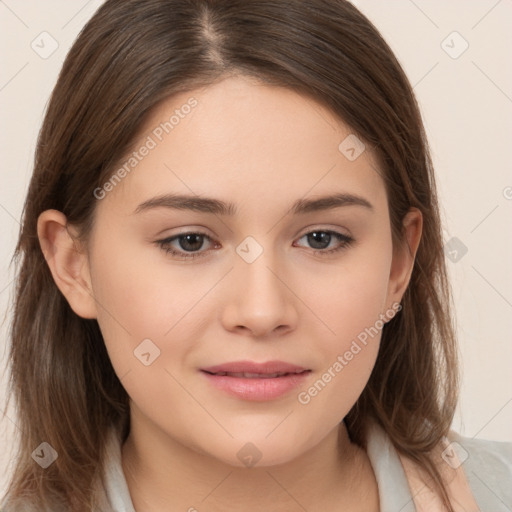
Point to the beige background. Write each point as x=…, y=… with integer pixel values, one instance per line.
x=467, y=107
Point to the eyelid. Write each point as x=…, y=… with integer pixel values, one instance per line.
x=345, y=241
x=184, y=255
x=324, y=228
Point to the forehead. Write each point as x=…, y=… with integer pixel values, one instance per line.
x=250, y=142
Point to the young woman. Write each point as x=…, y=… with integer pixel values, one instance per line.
x=232, y=292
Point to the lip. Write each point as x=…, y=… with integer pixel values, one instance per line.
x=253, y=367
x=261, y=384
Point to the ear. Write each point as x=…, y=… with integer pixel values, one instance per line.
x=68, y=263
x=404, y=255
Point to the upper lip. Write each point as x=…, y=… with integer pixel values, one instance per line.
x=264, y=368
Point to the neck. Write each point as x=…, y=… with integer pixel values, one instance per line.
x=164, y=475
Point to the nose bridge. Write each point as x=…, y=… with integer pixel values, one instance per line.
x=259, y=301
x=260, y=287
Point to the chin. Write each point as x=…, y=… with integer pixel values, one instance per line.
x=257, y=453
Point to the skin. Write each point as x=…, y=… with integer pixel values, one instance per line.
x=262, y=148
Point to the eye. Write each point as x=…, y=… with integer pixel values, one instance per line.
x=185, y=245
x=192, y=244
x=321, y=241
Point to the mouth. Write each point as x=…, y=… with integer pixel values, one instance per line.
x=248, y=375
x=248, y=380
x=253, y=368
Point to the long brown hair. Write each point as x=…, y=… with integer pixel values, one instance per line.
x=130, y=56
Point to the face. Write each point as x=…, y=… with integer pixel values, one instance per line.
x=245, y=233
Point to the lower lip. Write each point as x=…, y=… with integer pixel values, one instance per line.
x=257, y=389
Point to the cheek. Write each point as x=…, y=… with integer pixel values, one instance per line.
x=351, y=304
x=140, y=297
x=354, y=315
x=350, y=297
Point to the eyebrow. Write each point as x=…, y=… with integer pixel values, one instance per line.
x=218, y=207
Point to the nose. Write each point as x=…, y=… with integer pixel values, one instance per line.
x=259, y=301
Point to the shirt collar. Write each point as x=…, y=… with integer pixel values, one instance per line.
x=394, y=492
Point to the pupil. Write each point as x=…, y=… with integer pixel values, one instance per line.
x=319, y=239
x=191, y=242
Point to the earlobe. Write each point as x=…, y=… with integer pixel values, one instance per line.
x=404, y=256
x=68, y=264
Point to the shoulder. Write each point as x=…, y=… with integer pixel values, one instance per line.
x=488, y=469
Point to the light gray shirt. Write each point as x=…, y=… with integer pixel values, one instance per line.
x=487, y=465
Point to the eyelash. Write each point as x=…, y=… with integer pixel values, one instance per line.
x=345, y=241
